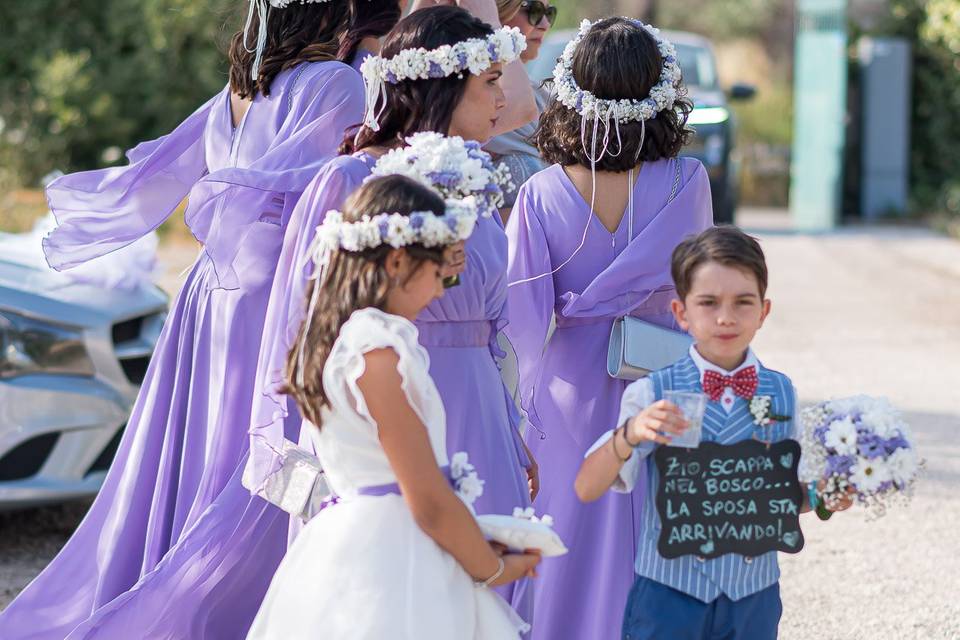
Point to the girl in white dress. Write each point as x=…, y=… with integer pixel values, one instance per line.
x=398, y=555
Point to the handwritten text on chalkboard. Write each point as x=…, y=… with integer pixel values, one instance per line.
x=716, y=499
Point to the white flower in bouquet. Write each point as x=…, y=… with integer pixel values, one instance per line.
x=842, y=437
x=869, y=475
x=903, y=465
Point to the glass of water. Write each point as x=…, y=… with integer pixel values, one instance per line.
x=693, y=406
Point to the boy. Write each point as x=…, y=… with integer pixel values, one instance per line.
x=721, y=280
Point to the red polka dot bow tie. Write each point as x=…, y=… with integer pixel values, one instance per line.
x=743, y=383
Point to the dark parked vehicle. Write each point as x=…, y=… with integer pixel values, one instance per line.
x=712, y=118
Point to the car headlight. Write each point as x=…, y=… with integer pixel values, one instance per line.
x=30, y=346
x=708, y=115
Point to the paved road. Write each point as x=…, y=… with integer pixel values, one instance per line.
x=858, y=311
x=874, y=312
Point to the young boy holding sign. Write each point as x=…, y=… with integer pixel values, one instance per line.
x=714, y=516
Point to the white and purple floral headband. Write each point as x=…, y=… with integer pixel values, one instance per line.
x=262, y=8
x=611, y=113
x=662, y=96
x=396, y=230
x=475, y=55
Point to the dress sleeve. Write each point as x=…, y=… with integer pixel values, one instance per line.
x=368, y=330
x=530, y=304
x=275, y=420
x=100, y=211
x=226, y=205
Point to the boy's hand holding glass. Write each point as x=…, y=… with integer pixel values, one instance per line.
x=657, y=423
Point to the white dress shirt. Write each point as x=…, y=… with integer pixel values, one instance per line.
x=639, y=395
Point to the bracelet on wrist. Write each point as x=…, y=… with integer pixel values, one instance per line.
x=616, y=451
x=493, y=578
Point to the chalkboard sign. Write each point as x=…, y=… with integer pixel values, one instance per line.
x=716, y=499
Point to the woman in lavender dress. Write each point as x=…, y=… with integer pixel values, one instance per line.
x=174, y=546
x=459, y=330
x=589, y=265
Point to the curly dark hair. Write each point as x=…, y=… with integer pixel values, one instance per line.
x=352, y=281
x=419, y=105
x=617, y=59
x=298, y=33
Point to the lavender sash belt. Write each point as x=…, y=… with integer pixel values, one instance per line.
x=467, y=333
x=377, y=491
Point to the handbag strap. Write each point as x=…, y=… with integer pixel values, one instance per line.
x=676, y=181
x=632, y=188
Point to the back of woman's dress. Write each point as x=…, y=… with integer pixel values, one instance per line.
x=363, y=569
x=174, y=546
x=564, y=387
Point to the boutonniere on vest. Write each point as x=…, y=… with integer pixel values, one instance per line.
x=760, y=410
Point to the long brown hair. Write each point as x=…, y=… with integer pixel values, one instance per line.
x=298, y=33
x=420, y=105
x=352, y=281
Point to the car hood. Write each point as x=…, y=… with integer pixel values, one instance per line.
x=29, y=286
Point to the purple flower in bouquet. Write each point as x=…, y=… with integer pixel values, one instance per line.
x=839, y=465
x=896, y=442
x=870, y=445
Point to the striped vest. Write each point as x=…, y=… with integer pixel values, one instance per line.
x=732, y=575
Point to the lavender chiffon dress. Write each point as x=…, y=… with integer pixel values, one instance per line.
x=174, y=547
x=565, y=391
x=459, y=332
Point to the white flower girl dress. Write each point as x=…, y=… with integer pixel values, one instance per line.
x=362, y=568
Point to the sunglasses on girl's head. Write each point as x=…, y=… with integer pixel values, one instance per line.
x=536, y=11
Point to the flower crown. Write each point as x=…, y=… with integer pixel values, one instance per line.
x=475, y=55
x=421, y=227
x=457, y=169
x=662, y=96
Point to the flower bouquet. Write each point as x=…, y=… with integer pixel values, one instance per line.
x=456, y=168
x=856, y=448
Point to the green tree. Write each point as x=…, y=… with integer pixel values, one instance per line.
x=82, y=79
x=933, y=26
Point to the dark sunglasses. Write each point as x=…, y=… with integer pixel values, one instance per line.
x=536, y=11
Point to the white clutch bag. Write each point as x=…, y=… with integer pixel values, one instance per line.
x=298, y=487
x=637, y=348
x=518, y=533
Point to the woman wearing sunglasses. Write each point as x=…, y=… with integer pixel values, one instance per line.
x=534, y=18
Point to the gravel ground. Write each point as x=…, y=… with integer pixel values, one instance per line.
x=859, y=311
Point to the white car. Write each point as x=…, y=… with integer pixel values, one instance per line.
x=72, y=356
